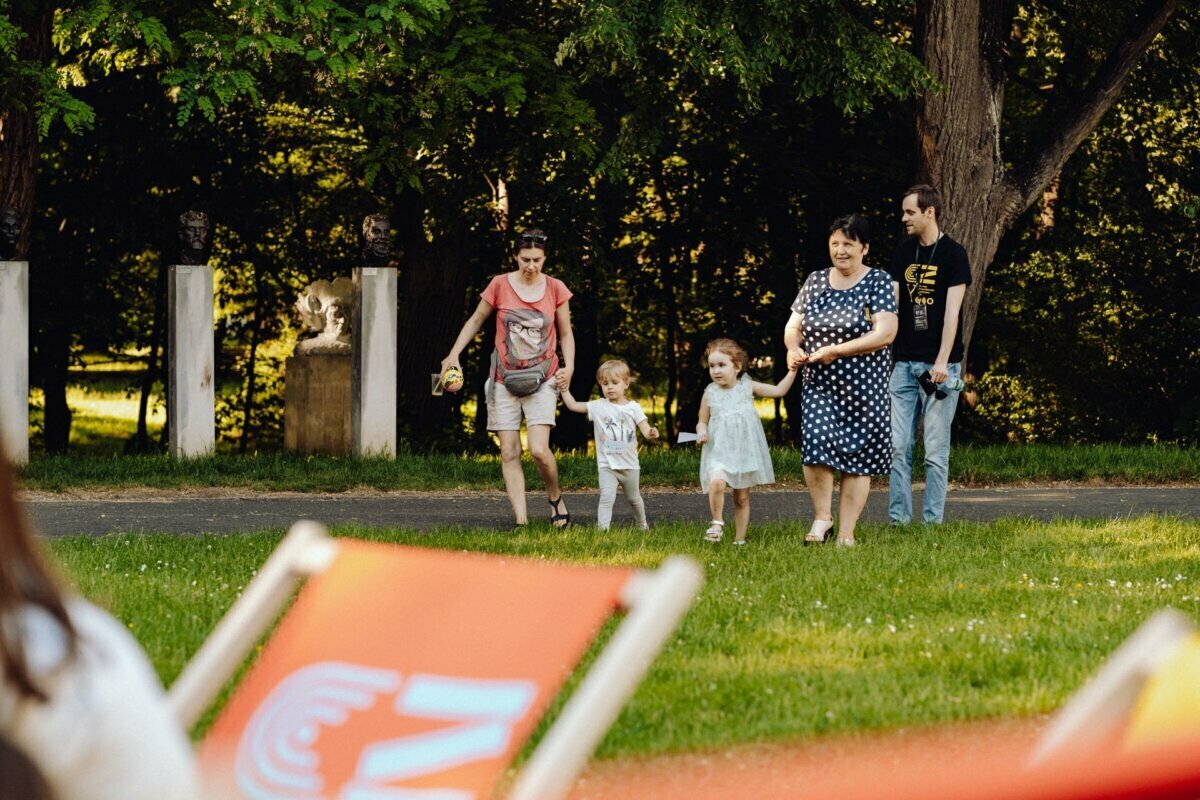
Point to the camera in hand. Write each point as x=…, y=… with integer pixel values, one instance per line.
x=938, y=390
x=929, y=387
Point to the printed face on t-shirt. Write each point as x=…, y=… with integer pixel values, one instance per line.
x=526, y=334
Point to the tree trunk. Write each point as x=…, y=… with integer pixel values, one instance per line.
x=571, y=432
x=252, y=364
x=431, y=286
x=962, y=44
x=56, y=364
x=19, y=147
x=672, y=333
x=958, y=131
x=141, y=440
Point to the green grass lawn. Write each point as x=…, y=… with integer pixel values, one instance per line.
x=104, y=399
x=915, y=625
x=661, y=467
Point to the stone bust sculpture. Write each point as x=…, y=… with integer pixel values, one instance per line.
x=377, y=240
x=10, y=232
x=325, y=308
x=193, y=237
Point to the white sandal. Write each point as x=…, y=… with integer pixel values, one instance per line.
x=715, y=531
x=818, y=535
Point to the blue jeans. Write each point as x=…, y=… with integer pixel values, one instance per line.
x=909, y=404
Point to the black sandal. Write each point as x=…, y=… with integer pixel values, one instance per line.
x=559, y=515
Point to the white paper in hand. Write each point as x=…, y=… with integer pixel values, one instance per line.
x=685, y=437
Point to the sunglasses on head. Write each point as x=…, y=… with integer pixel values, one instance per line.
x=533, y=238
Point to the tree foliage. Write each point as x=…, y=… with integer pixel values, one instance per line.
x=686, y=156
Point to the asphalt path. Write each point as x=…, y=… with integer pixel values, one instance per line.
x=233, y=512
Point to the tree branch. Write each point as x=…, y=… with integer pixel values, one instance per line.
x=1082, y=113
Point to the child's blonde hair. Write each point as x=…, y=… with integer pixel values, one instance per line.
x=614, y=368
x=730, y=348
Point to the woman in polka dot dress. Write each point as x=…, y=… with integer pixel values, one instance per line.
x=841, y=325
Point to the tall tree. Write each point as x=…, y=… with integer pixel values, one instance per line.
x=960, y=124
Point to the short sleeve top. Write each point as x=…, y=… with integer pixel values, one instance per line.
x=925, y=275
x=526, y=334
x=832, y=316
x=616, y=432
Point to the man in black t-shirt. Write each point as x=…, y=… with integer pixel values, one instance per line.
x=930, y=274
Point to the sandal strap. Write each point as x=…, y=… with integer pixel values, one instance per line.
x=558, y=514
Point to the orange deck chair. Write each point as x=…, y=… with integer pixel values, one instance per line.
x=401, y=673
x=1131, y=733
x=1146, y=692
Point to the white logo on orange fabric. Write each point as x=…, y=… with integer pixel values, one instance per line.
x=276, y=759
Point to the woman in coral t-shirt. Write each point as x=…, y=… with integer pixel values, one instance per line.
x=533, y=316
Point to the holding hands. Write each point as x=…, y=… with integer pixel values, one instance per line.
x=797, y=358
x=825, y=355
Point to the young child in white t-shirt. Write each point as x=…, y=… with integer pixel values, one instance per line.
x=617, y=419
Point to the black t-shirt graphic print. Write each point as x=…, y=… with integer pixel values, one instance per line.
x=925, y=273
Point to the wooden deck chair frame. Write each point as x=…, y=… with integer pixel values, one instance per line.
x=655, y=600
x=1096, y=714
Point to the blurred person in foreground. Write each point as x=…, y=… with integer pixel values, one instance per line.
x=77, y=695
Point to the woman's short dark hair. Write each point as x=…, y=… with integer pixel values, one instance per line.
x=854, y=227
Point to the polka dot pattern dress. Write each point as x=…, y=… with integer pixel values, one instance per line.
x=847, y=417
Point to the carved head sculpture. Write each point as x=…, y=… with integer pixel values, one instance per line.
x=10, y=232
x=337, y=321
x=377, y=239
x=193, y=237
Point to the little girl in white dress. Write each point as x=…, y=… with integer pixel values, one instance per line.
x=735, y=453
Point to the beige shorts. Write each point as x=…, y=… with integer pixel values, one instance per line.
x=506, y=409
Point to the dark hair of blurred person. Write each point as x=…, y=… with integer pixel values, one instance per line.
x=20, y=779
x=24, y=580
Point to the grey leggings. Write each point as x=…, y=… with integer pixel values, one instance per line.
x=628, y=479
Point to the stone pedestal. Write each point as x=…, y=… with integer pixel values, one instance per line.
x=191, y=393
x=316, y=404
x=14, y=360
x=373, y=376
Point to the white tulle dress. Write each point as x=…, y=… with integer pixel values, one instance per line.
x=736, y=443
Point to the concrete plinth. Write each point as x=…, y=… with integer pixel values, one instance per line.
x=373, y=377
x=191, y=395
x=14, y=360
x=316, y=404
